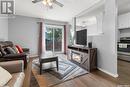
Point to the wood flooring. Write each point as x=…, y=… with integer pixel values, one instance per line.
x=27, y=72
x=124, y=72
x=100, y=79
x=95, y=79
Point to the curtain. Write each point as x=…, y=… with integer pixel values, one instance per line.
x=40, y=42
x=65, y=46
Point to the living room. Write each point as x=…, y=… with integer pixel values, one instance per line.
x=60, y=43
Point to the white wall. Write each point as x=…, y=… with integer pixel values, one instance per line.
x=3, y=29
x=24, y=31
x=92, y=30
x=54, y=22
x=106, y=43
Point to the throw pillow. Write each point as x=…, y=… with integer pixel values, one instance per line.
x=5, y=76
x=3, y=52
x=10, y=50
x=0, y=54
x=19, y=48
x=15, y=49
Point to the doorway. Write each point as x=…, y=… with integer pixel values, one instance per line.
x=123, y=39
x=54, y=38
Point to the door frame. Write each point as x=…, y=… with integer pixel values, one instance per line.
x=57, y=26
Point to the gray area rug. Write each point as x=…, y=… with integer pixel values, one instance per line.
x=67, y=71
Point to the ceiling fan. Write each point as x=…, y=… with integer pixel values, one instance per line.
x=49, y=3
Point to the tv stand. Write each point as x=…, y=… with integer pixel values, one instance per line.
x=83, y=56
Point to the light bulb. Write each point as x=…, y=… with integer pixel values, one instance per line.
x=50, y=4
x=49, y=1
x=44, y=2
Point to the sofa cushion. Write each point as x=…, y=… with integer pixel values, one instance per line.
x=5, y=76
x=2, y=51
x=17, y=80
x=19, y=48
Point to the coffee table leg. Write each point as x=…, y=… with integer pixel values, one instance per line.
x=40, y=68
x=57, y=65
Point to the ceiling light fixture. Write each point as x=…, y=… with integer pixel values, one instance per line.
x=44, y=2
x=47, y=2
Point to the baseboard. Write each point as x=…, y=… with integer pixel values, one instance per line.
x=113, y=75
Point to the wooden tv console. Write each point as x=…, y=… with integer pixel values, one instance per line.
x=88, y=57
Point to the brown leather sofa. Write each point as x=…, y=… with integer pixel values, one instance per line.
x=11, y=57
x=17, y=71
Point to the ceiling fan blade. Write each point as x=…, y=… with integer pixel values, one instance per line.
x=58, y=3
x=35, y=1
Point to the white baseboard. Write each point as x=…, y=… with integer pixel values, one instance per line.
x=113, y=75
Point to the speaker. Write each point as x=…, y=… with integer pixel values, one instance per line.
x=90, y=45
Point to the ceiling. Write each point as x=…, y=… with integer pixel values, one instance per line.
x=71, y=9
x=123, y=6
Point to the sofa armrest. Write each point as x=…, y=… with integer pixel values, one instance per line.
x=13, y=57
x=13, y=66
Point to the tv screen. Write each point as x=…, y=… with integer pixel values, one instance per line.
x=81, y=37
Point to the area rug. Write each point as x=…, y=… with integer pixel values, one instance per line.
x=33, y=81
x=67, y=71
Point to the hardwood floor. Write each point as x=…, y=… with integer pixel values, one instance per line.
x=124, y=72
x=94, y=79
x=27, y=72
x=100, y=79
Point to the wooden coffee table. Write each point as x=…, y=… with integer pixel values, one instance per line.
x=48, y=58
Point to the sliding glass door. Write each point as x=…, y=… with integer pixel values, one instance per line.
x=54, y=38
x=49, y=39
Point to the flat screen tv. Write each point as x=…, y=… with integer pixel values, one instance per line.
x=81, y=37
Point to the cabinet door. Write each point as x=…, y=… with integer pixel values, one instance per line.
x=124, y=21
x=85, y=61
